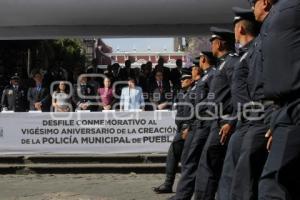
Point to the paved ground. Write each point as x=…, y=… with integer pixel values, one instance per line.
x=81, y=187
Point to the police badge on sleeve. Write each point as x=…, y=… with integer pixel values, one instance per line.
x=10, y=92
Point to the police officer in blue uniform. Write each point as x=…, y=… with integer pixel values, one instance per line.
x=253, y=152
x=14, y=96
x=198, y=131
x=246, y=30
x=183, y=118
x=219, y=97
x=281, y=61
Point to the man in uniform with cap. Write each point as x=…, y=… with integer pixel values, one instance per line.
x=14, y=96
x=253, y=153
x=183, y=118
x=199, y=129
x=246, y=30
x=281, y=61
x=219, y=99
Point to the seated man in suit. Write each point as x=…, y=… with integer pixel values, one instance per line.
x=38, y=96
x=84, y=96
x=160, y=91
x=132, y=96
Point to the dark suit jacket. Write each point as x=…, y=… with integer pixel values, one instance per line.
x=145, y=82
x=175, y=75
x=43, y=96
x=87, y=92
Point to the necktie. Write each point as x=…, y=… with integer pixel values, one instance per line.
x=38, y=88
x=160, y=86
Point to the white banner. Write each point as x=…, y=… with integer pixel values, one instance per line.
x=86, y=133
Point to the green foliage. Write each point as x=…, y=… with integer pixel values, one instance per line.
x=66, y=53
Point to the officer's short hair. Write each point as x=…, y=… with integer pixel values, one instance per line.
x=251, y=27
x=227, y=45
x=211, y=61
x=273, y=1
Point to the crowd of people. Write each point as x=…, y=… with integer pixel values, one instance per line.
x=242, y=142
x=115, y=88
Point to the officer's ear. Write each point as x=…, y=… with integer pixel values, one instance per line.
x=267, y=4
x=203, y=59
x=219, y=44
x=242, y=29
x=222, y=45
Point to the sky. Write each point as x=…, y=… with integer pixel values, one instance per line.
x=140, y=44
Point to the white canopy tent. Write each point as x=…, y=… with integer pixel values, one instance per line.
x=44, y=19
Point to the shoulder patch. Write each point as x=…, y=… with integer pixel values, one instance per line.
x=244, y=56
x=233, y=54
x=204, y=78
x=193, y=88
x=222, y=66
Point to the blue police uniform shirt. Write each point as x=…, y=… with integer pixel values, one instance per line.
x=220, y=90
x=255, y=79
x=201, y=88
x=281, y=47
x=184, y=110
x=239, y=88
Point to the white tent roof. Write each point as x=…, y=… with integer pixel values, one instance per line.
x=21, y=19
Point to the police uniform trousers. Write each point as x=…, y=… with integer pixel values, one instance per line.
x=231, y=159
x=190, y=158
x=210, y=164
x=252, y=159
x=173, y=159
x=281, y=175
